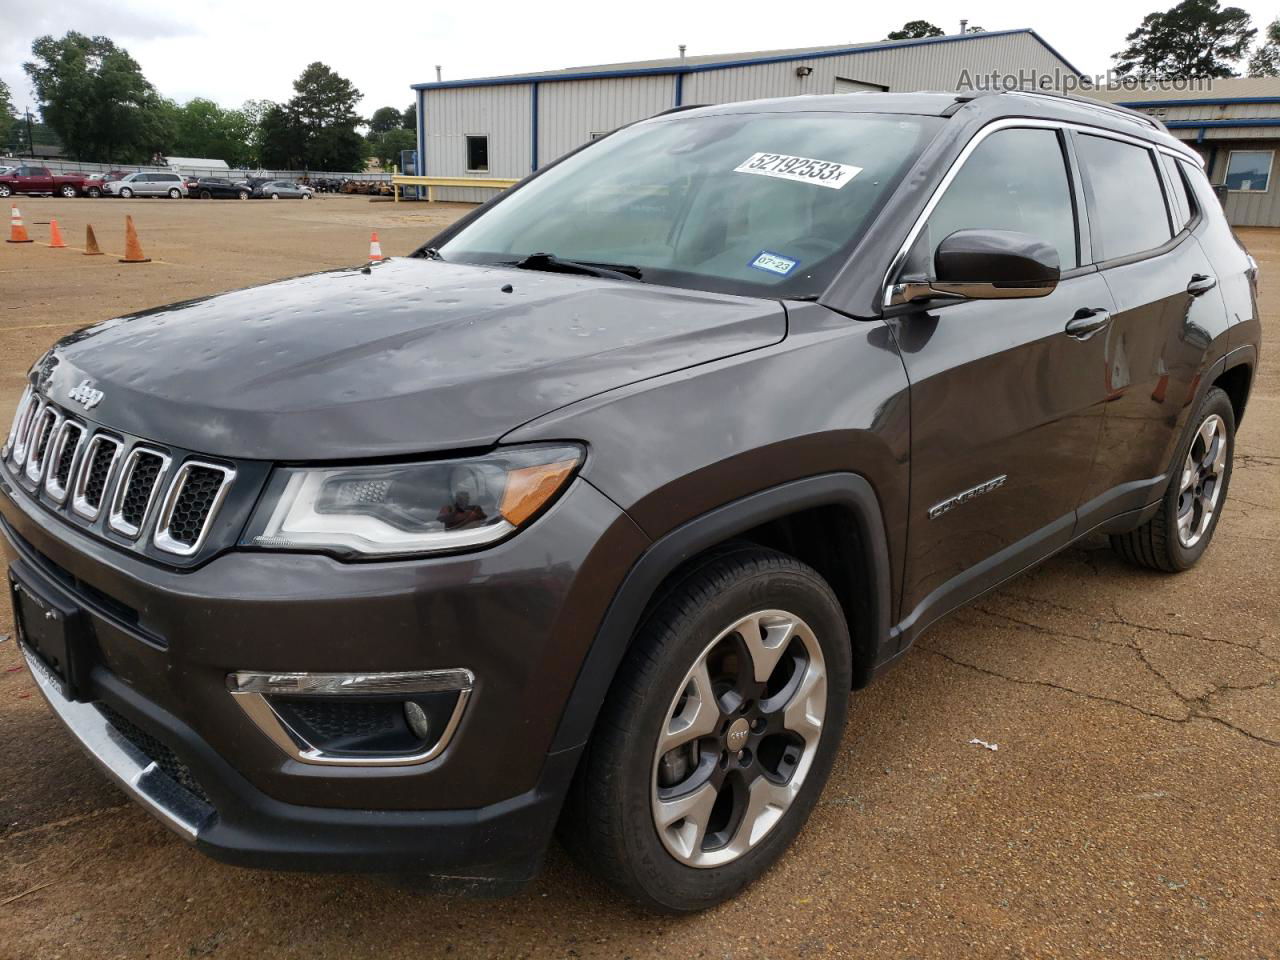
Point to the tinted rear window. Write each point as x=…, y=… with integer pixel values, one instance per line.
x=1181, y=206
x=1128, y=212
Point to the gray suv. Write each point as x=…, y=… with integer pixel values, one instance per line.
x=591, y=513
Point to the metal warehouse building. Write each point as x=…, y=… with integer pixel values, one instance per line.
x=1234, y=124
x=505, y=127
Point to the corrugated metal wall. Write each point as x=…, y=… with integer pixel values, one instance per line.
x=500, y=113
x=569, y=111
x=1247, y=209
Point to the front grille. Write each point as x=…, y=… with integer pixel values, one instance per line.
x=164, y=501
x=163, y=757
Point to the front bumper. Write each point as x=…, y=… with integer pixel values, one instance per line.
x=520, y=616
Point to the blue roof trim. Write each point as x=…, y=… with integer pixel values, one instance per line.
x=1220, y=101
x=726, y=64
x=1214, y=124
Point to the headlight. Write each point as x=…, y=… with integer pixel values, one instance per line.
x=390, y=510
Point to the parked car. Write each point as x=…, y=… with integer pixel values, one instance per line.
x=282, y=190
x=698, y=430
x=147, y=185
x=215, y=188
x=32, y=179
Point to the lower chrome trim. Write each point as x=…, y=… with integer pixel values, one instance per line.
x=248, y=689
x=136, y=773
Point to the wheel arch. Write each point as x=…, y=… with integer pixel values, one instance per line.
x=1236, y=379
x=790, y=518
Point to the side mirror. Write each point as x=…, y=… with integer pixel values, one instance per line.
x=986, y=265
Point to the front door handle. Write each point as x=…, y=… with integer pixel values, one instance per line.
x=1201, y=283
x=1087, y=321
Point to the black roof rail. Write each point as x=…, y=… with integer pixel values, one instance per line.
x=1086, y=102
x=683, y=106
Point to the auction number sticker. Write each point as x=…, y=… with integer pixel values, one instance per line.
x=773, y=263
x=822, y=173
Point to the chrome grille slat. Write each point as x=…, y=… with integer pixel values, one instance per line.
x=96, y=468
x=187, y=514
x=23, y=405
x=42, y=434
x=63, y=459
x=22, y=442
x=141, y=480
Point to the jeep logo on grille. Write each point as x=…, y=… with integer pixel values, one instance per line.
x=85, y=395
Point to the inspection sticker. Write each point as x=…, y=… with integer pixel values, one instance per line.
x=821, y=173
x=774, y=263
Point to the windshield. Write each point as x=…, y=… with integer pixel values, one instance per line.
x=755, y=204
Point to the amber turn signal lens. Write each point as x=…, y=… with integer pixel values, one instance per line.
x=528, y=488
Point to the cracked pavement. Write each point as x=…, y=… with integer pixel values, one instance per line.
x=1130, y=809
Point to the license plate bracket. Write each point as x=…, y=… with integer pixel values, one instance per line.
x=51, y=626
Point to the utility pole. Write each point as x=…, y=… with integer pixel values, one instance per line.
x=437, y=73
x=31, y=142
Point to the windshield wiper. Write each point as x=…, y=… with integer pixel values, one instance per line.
x=550, y=263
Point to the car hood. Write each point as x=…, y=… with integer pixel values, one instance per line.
x=408, y=356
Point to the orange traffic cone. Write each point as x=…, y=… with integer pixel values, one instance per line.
x=55, y=235
x=132, y=249
x=17, y=232
x=375, y=249
x=91, y=243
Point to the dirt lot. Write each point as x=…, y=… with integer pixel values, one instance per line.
x=1130, y=811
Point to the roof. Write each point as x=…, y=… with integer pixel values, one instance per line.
x=719, y=61
x=197, y=162
x=1193, y=92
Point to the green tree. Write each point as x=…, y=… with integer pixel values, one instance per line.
x=323, y=109
x=281, y=141
x=93, y=94
x=7, y=119
x=384, y=119
x=410, y=121
x=1193, y=40
x=915, y=29
x=1265, y=61
x=386, y=147
x=205, y=129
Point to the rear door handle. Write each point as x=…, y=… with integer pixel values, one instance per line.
x=1201, y=283
x=1087, y=321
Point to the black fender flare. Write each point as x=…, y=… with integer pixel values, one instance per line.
x=693, y=537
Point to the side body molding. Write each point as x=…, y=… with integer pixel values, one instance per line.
x=666, y=554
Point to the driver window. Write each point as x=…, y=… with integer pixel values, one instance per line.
x=1014, y=180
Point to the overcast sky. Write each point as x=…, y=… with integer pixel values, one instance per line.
x=232, y=52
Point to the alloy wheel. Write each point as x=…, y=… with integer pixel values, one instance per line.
x=739, y=738
x=1200, y=487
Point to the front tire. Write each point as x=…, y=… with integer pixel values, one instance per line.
x=1178, y=535
x=718, y=734
x=175, y=194
x=5, y=190
x=126, y=193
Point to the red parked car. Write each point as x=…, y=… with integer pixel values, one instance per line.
x=29, y=179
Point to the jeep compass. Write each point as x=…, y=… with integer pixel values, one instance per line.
x=588, y=516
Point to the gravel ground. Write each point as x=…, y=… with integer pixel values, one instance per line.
x=1130, y=811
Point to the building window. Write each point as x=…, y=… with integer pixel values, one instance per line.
x=1249, y=171
x=477, y=154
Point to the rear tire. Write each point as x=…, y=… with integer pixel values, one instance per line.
x=244, y=194
x=94, y=192
x=5, y=190
x=1178, y=535
x=206, y=195
x=698, y=775
x=67, y=190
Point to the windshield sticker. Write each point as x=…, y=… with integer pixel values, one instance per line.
x=773, y=263
x=821, y=173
